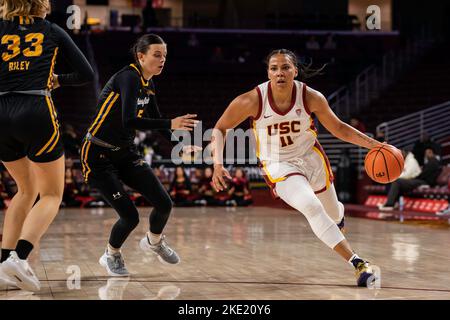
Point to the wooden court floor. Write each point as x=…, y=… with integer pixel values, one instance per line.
x=242, y=253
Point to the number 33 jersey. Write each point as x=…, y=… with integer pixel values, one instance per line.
x=28, y=51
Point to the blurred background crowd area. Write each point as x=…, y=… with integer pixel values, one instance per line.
x=390, y=81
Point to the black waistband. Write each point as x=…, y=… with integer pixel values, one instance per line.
x=45, y=93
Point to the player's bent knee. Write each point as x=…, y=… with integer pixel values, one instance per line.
x=164, y=206
x=133, y=222
x=55, y=198
x=337, y=212
x=27, y=192
x=310, y=208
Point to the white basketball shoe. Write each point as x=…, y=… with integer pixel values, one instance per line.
x=21, y=272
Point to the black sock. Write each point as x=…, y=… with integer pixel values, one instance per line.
x=5, y=254
x=356, y=260
x=23, y=249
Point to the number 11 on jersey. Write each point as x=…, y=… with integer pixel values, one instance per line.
x=286, y=141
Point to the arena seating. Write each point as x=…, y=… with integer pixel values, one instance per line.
x=427, y=199
x=194, y=81
x=423, y=86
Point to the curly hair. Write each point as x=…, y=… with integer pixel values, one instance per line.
x=27, y=8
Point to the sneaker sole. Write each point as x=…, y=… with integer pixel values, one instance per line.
x=112, y=274
x=362, y=280
x=22, y=281
x=146, y=249
x=167, y=263
x=9, y=286
x=6, y=283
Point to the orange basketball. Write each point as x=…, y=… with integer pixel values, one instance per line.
x=384, y=164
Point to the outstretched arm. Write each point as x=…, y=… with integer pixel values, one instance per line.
x=177, y=123
x=129, y=84
x=318, y=105
x=242, y=107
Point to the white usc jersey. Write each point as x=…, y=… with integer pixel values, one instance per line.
x=283, y=136
x=286, y=142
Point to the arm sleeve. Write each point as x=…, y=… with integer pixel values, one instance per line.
x=83, y=71
x=128, y=84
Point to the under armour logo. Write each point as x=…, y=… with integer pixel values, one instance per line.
x=298, y=111
x=117, y=195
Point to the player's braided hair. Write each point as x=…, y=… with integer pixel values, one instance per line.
x=27, y=8
x=143, y=43
x=305, y=69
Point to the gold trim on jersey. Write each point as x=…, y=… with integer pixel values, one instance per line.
x=101, y=116
x=84, y=159
x=57, y=125
x=144, y=82
x=55, y=128
x=264, y=167
x=256, y=138
x=52, y=68
x=101, y=110
x=325, y=164
x=272, y=180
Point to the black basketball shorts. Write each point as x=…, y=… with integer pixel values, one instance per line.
x=29, y=127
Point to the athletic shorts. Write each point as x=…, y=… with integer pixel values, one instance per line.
x=29, y=127
x=313, y=165
x=99, y=161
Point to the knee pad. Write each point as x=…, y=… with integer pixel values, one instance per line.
x=310, y=208
x=321, y=224
x=336, y=212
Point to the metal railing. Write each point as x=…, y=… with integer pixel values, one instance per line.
x=368, y=84
x=339, y=101
x=335, y=148
x=405, y=131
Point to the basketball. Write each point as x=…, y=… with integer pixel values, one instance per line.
x=384, y=164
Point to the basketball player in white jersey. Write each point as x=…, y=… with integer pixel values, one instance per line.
x=292, y=160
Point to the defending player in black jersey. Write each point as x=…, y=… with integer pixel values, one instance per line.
x=30, y=144
x=110, y=158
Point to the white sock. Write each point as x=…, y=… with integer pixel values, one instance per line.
x=353, y=257
x=153, y=238
x=112, y=250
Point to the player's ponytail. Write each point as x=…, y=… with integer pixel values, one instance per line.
x=26, y=8
x=143, y=43
x=305, y=70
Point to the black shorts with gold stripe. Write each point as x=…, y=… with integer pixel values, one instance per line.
x=29, y=127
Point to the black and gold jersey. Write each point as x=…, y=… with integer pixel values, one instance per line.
x=127, y=103
x=28, y=51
